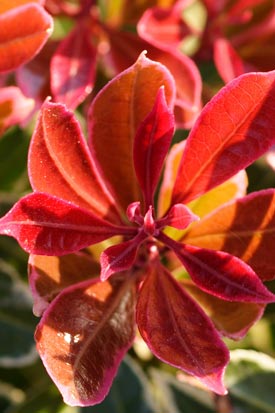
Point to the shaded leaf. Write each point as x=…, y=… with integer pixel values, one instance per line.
x=244, y=228
x=48, y=275
x=60, y=163
x=232, y=319
x=16, y=321
x=250, y=378
x=115, y=125
x=82, y=350
x=130, y=392
x=171, y=323
x=46, y=225
x=221, y=274
x=228, y=63
x=73, y=67
x=151, y=145
x=19, y=43
x=234, y=129
x=180, y=397
x=120, y=257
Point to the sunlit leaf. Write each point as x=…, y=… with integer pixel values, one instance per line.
x=19, y=43
x=114, y=126
x=46, y=225
x=244, y=228
x=151, y=145
x=60, y=163
x=234, y=129
x=48, y=275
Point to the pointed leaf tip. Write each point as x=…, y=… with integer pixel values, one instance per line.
x=151, y=144
x=171, y=323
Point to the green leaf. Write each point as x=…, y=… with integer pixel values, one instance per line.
x=250, y=379
x=129, y=392
x=16, y=320
x=180, y=397
x=13, y=160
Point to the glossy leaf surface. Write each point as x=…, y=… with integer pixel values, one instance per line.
x=234, y=128
x=60, y=162
x=82, y=351
x=73, y=68
x=171, y=324
x=115, y=126
x=46, y=225
x=244, y=228
x=19, y=43
x=151, y=145
x=125, y=46
x=49, y=275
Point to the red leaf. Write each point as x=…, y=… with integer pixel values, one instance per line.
x=232, y=319
x=235, y=128
x=163, y=27
x=228, y=63
x=114, y=118
x=21, y=42
x=73, y=67
x=33, y=78
x=151, y=145
x=124, y=48
x=83, y=336
x=46, y=225
x=172, y=323
x=15, y=108
x=49, y=275
x=60, y=163
x=221, y=274
x=244, y=228
x=179, y=216
x=120, y=257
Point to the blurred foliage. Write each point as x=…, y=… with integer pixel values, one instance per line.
x=143, y=385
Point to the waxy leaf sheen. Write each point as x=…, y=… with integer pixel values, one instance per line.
x=60, y=163
x=244, y=228
x=46, y=225
x=82, y=350
x=234, y=129
x=115, y=126
x=151, y=145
